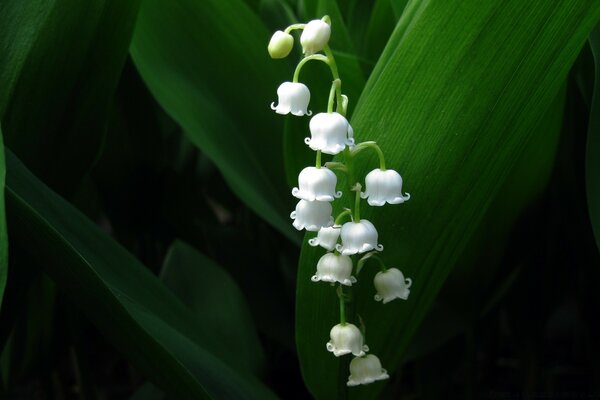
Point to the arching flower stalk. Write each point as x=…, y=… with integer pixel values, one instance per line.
x=348, y=236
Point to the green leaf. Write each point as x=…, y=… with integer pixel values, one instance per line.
x=452, y=125
x=61, y=61
x=216, y=301
x=128, y=304
x=593, y=143
x=206, y=63
x=3, y=235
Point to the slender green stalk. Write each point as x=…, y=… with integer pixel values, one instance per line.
x=342, y=305
x=370, y=145
x=293, y=27
x=341, y=216
x=318, y=162
x=357, y=188
x=318, y=57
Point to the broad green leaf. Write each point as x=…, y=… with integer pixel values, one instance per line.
x=3, y=235
x=452, y=125
x=593, y=143
x=60, y=65
x=470, y=290
x=206, y=63
x=215, y=300
x=128, y=304
x=381, y=24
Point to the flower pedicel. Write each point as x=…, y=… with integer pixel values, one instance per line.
x=347, y=235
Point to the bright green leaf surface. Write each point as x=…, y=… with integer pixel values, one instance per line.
x=215, y=300
x=452, y=125
x=61, y=61
x=593, y=143
x=125, y=301
x=219, y=86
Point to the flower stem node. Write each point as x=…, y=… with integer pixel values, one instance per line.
x=390, y=285
x=312, y=215
x=315, y=36
x=365, y=370
x=334, y=268
x=316, y=184
x=358, y=237
x=330, y=133
x=293, y=98
x=326, y=238
x=384, y=186
x=345, y=339
x=280, y=45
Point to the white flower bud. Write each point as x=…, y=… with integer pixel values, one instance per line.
x=365, y=370
x=312, y=215
x=358, y=237
x=330, y=133
x=315, y=36
x=384, y=186
x=280, y=45
x=316, y=184
x=391, y=285
x=346, y=339
x=293, y=98
x=326, y=238
x=334, y=268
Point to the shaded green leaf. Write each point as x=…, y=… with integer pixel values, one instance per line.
x=452, y=125
x=218, y=87
x=593, y=143
x=121, y=297
x=215, y=300
x=60, y=65
x=3, y=234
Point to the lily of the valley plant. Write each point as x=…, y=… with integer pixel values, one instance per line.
x=346, y=236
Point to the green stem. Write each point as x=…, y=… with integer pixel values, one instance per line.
x=342, y=305
x=341, y=216
x=371, y=145
x=293, y=27
x=318, y=57
x=357, y=188
x=318, y=162
x=332, y=96
x=336, y=75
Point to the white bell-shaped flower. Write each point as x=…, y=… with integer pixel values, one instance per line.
x=316, y=184
x=293, y=98
x=358, y=237
x=326, y=237
x=280, y=45
x=334, y=268
x=384, y=187
x=330, y=133
x=390, y=285
x=346, y=339
x=315, y=36
x=312, y=215
x=365, y=370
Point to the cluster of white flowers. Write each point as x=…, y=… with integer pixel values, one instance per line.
x=332, y=134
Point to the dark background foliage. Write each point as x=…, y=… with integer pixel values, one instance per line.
x=149, y=254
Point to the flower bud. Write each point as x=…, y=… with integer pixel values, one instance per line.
x=293, y=98
x=334, y=268
x=384, y=186
x=326, y=238
x=316, y=184
x=346, y=339
x=315, y=36
x=312, y=215
x=358, y=237
x=330, y=133
x=365, y=370
x=280, y=45
x=390, y=285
